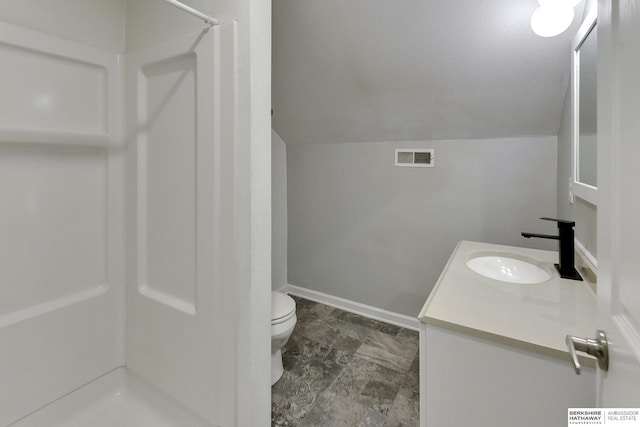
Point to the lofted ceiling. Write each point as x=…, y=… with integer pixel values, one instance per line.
x=382, y=70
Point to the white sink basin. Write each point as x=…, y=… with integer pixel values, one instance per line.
x=508, y=269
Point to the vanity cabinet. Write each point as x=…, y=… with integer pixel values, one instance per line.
x=493, y=353
x=471, y=381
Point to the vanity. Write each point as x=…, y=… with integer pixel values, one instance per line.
x=493, y=352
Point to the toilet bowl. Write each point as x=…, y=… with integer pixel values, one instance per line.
x=283, y=320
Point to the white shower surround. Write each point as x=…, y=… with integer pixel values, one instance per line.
x=53, y=343
x=62, y=225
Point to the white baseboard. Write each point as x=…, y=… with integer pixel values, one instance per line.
x=375, y=313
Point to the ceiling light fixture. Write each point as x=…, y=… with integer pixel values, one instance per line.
x=553, y=17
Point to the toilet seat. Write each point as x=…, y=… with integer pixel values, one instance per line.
x=283, y=319
x=283, y=307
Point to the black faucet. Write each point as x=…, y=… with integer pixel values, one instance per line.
x=566, y=268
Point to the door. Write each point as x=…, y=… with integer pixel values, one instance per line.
x=619, y=205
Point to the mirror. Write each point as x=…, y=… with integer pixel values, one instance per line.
x=587, y=123
x=584, y=109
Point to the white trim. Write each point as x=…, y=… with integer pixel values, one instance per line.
x=585, y=192
x=580, y=189
x=587, y=255
x=371, y=312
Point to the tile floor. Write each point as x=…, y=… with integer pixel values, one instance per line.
x=342, y=369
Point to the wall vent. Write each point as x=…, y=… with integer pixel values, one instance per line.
x=414, y=158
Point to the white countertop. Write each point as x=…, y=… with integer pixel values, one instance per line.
x=536, y=317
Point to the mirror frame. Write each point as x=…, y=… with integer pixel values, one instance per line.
x=579, y=189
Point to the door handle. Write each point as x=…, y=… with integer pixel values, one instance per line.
x=598, y=347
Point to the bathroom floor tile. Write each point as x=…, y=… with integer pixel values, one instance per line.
x=348, y=328
x=336, y=334
x=355, y=319
x=372, y=418
x=301, y=350
x=342, y=369
x=381, y=390
x=408, y=337
x=411, y=379
x=391, y=329
x=332, y=411
x=404, y=410
x=320, y=375
x=303, y=304
x=291, y=399
x=389, y=351
x=353, y=378
x=316, y=312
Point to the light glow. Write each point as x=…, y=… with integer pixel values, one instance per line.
x=552, y=18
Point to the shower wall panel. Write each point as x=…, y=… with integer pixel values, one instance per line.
x=61, y=221
x=181, y=315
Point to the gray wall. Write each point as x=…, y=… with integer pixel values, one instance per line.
x=362, y=229
x=278, y=212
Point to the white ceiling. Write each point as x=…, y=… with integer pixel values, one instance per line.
x=392, y=70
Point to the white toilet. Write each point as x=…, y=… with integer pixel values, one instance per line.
x=283, y=320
